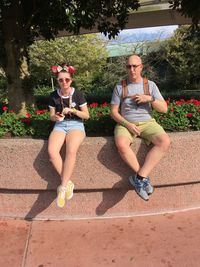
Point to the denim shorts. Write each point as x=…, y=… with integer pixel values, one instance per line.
x=67, y=125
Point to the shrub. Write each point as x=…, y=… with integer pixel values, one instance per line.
x=182, y=115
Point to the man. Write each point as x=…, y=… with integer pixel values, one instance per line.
x=132, y=113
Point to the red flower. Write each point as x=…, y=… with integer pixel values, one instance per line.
x=105, y=104
x=26, y=120
x=5, y=108
x=40, y=111
x=198, y=110
x=28, y=115
x=180, y=102
x=172, y=109
x=189, y=115
x=168, y=101
x=93, y=105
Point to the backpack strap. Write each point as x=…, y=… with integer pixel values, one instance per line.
x=124, y=88
x=146, y=86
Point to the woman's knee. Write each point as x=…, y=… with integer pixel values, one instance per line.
x=53, y=153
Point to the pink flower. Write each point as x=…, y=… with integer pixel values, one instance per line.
x=5, y=108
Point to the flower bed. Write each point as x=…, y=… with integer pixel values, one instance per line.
x=182, y=115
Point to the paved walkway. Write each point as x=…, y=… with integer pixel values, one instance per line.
x=161, y=240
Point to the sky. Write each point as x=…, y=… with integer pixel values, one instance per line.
x=123, y=43
x=143, y=34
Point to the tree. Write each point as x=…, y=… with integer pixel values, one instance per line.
x=188, y=8
x=87, y=53
x=23, y=21
x=183, y=53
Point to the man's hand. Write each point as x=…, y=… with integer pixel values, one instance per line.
x=139, y=99
x=133, y=128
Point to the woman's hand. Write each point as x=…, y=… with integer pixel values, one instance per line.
x=67, y=111
x=59, y=116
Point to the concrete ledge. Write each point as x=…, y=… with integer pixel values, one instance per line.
x=108, y=203
x=25, y=164
x=28, y=181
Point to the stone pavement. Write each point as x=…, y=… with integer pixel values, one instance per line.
x=171, y=239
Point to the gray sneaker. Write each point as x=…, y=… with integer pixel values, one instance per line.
x=140, y=187
x=149, y=187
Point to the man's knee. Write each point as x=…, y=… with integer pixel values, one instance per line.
x=122, y=144
x=163, y=141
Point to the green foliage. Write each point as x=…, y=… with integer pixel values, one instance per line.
x=174, y=64
x=183, y=53
x=21, y=22
x=100, y=122
x=182, y=115
x=87, y=53
x=189, y=9
x=3, y=88
x=158, y=69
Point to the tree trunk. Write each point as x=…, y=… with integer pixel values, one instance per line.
x=16, y=64
x=19, y=87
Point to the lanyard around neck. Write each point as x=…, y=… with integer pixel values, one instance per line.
x=70, y=102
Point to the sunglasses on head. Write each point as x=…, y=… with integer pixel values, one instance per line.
x=61, y=80
x=132, y=66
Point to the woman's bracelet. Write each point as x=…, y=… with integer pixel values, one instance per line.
x=124, y=123
x=74, y=111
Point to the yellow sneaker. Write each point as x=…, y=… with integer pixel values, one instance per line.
x=60, y=201
x=69, y=190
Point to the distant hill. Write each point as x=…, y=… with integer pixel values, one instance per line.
x=134, y=40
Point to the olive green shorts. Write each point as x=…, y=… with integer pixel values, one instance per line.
x=148, y=129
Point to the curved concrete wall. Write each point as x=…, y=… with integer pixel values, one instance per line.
x=28, y=181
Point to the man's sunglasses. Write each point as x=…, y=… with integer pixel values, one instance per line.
x=64, y=80
x=132, y=66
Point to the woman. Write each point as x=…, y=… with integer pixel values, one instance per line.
x=68, y=109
